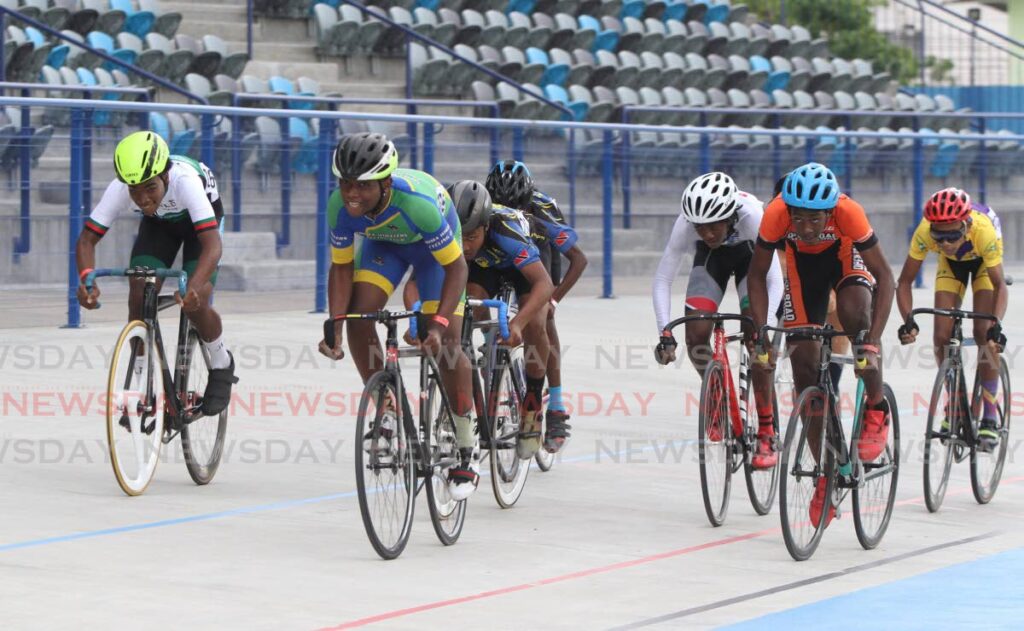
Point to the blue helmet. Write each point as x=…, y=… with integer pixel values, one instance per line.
x=812, y=186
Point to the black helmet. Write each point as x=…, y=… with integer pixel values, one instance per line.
x=510, y=184
x=472, y=203
x=364, y=156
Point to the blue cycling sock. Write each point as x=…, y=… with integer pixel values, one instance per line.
x=555, y=399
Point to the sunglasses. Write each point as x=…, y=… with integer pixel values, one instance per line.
x=947, y=236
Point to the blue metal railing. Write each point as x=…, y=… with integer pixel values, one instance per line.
x=325, y=144
x=284, y=237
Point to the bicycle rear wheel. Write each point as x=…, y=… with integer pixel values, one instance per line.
x=873, y=499
x=202, y=440
x=987, y=468
x=447, y=514
x=385, y=476
x=801, y=472
x=939, y=443
x=715, y=443
x=762, y=483
x=508, y=472
x=135, y=410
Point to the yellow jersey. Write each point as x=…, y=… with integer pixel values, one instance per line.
x=982, y=242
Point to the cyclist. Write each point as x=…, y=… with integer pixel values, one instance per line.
x=829, y=244
x=718, y=226
x=181, y=210
x=969, y=242
x=497, y=244
x=510, y=184
x=407, y=219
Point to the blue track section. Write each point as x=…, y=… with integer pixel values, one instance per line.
x=986, y=593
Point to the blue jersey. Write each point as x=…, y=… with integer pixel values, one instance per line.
x=548, y=223
x=507, y=241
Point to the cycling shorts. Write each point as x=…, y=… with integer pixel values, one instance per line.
x=158, y=242
x=383, y=264
x=953, y=276
x=811, y=275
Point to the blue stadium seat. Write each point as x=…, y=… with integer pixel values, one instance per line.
x=674, y=10
x=553, y=73
x=522, y=6
x=559, y=95
x=104, y=42
x=632, y=9
x=136, y=22
x=604, y=39
x=717, y=13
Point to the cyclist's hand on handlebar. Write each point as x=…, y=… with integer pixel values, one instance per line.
x=515, y=333
x=190, y=302
x=336, y=352
x=431, y=343
x=996, y=339
x=908, y=332
x=665, y=351
x=90, y=299
x=763, y=352
x=865, y=355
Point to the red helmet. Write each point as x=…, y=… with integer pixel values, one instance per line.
x=949, y=204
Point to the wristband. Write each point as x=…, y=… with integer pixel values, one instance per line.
x=84, y=273
x=340, y=316
x=871, y=348
x=443, y=321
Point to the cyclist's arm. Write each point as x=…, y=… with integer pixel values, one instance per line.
x=679, y=244
x=875, y=261
x=757, y=282
x=541, y=289
x=455, y=275
x=85, y=249
x=905, y=287
x=209, y=256
x=339, y=287
x=577, y=263
x=1002, y=294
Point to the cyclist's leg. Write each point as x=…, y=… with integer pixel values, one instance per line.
x=950, y=286
x=535, y=350
x=378, y=268
x=762, y=380
x=988, y=358
x=156, y=245
x=840, y=345
x=551, y=258
x=704, y=291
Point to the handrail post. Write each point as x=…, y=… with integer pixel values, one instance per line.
x=776, y=151
x=23, y=243
x=627, y=156
x=517, y=144
x=75, y=217
x=286, y=183
x=428, y=147
x=206, y=148
x=325, y=146
x=918, y=200
x=3, y=42
x=236, y=171
x=705, y=145
x=607, y=172
x=983, y=164
x=848, y=158
x=410, y=127
x=572, y=176
x=495, y=135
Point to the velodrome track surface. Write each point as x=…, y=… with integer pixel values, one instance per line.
x=614, y=537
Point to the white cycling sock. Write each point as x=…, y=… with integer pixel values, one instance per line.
x=464, y=436
x=217, y=352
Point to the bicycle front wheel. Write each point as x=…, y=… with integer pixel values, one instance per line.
x=762, y=483
x=987, y=468
x=805, y=463
x=938, y=442
x=508, y=472
x=135, y=410
x=715, y=441
x=202, y=440
x=874, y=498
x=447, y=514
x=385, y=476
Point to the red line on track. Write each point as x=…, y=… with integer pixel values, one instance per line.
x=399, y=613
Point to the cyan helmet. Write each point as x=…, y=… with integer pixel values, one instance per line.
x=812, y=186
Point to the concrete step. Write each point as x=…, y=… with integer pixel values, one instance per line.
x=206, y=12
x=638, y=264
x=634, y=239
x=245, y=247
x=279, y=51
x=267, y=275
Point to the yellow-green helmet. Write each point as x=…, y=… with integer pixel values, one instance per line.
x=140, y=157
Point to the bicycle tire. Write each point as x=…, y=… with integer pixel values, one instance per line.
x=763, y=484
x=868, y=504
x=202, y=440
x=796, y=453
x=938, y=455
x=984, y=486
x=715, y=442
x=390, y=542
x=437, y=430
x=131, y=432
x=508, y=472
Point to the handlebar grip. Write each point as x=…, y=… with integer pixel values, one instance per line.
x=502, y=308
x=413, y=329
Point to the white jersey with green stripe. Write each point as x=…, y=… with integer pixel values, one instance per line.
x=191, y=192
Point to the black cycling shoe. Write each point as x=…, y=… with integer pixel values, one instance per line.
x=557, y=431
x=218, y=389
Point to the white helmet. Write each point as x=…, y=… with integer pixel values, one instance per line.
x=709, y=198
